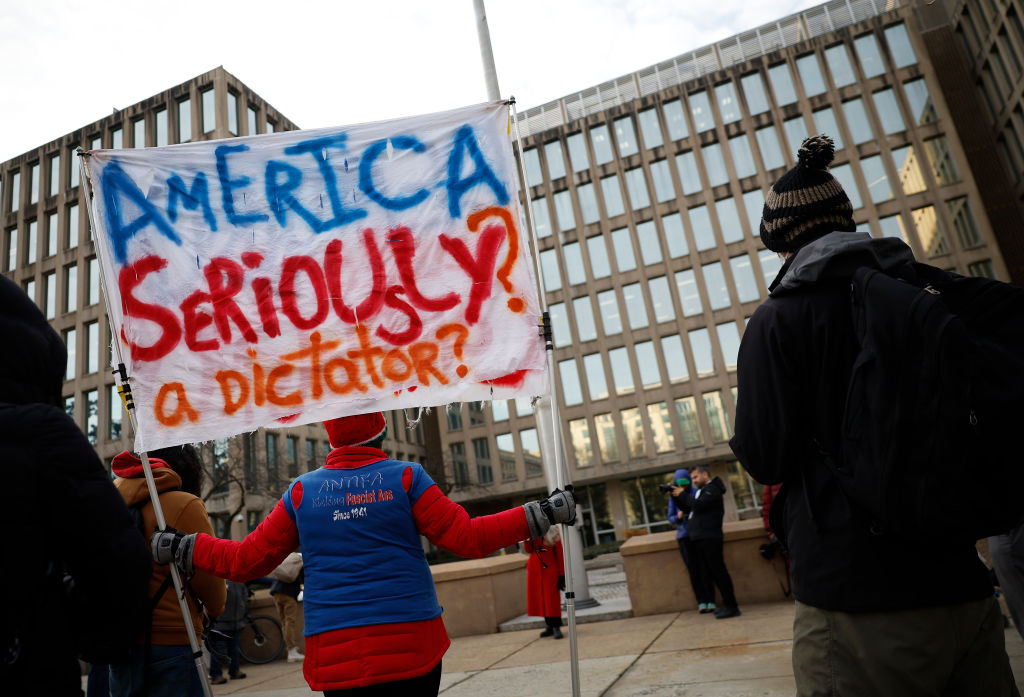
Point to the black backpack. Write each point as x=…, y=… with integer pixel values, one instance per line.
x=936, y=396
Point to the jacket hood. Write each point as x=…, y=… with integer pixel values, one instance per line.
x=131, y=481
x=717, y=484
x=838, y=255
x=34, y=357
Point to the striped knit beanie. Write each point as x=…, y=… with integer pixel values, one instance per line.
x=806, y=202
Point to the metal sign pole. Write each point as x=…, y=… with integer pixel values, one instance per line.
x=154, y=495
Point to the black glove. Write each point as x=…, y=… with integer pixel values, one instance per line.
x=559, y=507
x=170, y=545
x=561, y=583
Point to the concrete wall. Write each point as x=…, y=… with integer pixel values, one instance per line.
x=658, y=581
x=479, y=594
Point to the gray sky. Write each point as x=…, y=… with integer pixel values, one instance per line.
x=68, y=63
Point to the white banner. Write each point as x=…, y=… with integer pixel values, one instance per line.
x=300, y=276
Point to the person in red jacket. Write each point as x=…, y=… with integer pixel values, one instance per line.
x=545, y=576
x=370, y=609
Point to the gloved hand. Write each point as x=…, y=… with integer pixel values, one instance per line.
x=561, y=583
x=169, y=545
x=559, y=507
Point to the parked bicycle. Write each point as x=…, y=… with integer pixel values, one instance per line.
x=260, y=640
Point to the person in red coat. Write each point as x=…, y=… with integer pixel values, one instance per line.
x=545, y=576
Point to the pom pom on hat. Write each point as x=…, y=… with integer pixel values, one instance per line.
x=806, y=202
x=355, y=430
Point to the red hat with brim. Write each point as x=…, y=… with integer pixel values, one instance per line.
x=355, y=430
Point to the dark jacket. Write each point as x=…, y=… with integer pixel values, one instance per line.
x=75, y=565
x=680, y=504
x=235, y=607
x=289, y=588
x=708, y=505
x=795, y=362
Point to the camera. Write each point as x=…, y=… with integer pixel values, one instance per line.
x=664, y=488
x=769, y=549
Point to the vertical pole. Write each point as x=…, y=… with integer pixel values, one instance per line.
x=154, y=495
x=486, y=54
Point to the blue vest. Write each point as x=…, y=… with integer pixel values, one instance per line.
x=363, y=559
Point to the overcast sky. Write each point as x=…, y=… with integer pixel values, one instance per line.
x=68, y=63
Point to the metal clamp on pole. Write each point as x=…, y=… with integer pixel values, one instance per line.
x=545, y=331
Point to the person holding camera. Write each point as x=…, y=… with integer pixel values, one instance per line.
x=679, y=507
x=705, y=527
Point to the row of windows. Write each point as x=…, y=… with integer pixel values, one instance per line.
x=69, y=290
x=57, y=235
x=623, y=133
x=507, y=443
x=90, y=423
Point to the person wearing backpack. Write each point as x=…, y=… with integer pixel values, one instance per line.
x=75, y=566
x=881, y=609
x=162, y=664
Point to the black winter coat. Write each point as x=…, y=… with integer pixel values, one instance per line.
x=708, y=511
x=795, y=362
x=75, y=566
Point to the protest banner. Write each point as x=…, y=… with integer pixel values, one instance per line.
x=298, y=276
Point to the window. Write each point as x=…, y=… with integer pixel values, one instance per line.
x=574, y=264
x=888, y=111
x=184, y=120
x=662, y=178
x=689, y=296
x=114, y=413
x=625, y=137
x=647, y=362
x=795, y=131
x=70, y=288
x=209, y=112
x=650, y=128
x=602, y=144
x=556, y=163
x=92, y=347
x=633, y=425
x=879, y=188
x=453, y=414
x=870, y=57
x=71, y=342
x=311, y=459
x=564, y=212
x=728, y=105
x=922, y=108
x=982, y=269
x=825, y=122
x=582, y=448
x=584, y=313
x=892, y=226
x=30, y=290
x=251, y=124
x=729, y=341
x=714, y=282
x=810, y=74
x=770, y=265
x=964, y=222
x=593, y=368
x=623, y=247
x=588, y=203
x=72, y=227
x=54, y=166
x=899, y=46
x=608, y=306
x=675, y=119
x=718, y=419
x=743, y=278
x=32, y=243
x=728, y=220
x=499, y=410
x=50, y=295
x=460, y=469
x=117, y=138
x=661, y=427
x=645, y=505
x=782, y=84
x=700, y=344
x=929, y=231
x=714, y=164
x=746, y=493
x=523, y=406
x=507, y=457
x=541, y=220
x=570, y=378
x=73, y=169
x=604, y=424
x=700, y=221
x=531, y=452
x=482, y=455
x=753, y=90
x=742, y=157
x=270, y=126
x=622, y=374
x=531, y=163
x=908, y=168
x=92, y=416
x=700, y=109
x=838, y=60
x=578, y=157
x=675, y=238
x=635, y=310
x=15, y=190
x=598, y=253
x=94, y=282
x=844, y=175
x=52, y=232
x=675, y=361
x=857, y=121
x=647, y=239
x=559, y=325
x=96, y=143
x=232, y=113
x=549, y=270
x=689, y=176
x=768, y=143
x=940, y=157
x=612, y=196
x=686, y=410
x=33, y=184
x=160, y=121
x=753, y=205
x=291, y=449
x=139, y=133
x=636, y=185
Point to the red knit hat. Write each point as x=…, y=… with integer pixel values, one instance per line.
x=355, y=430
